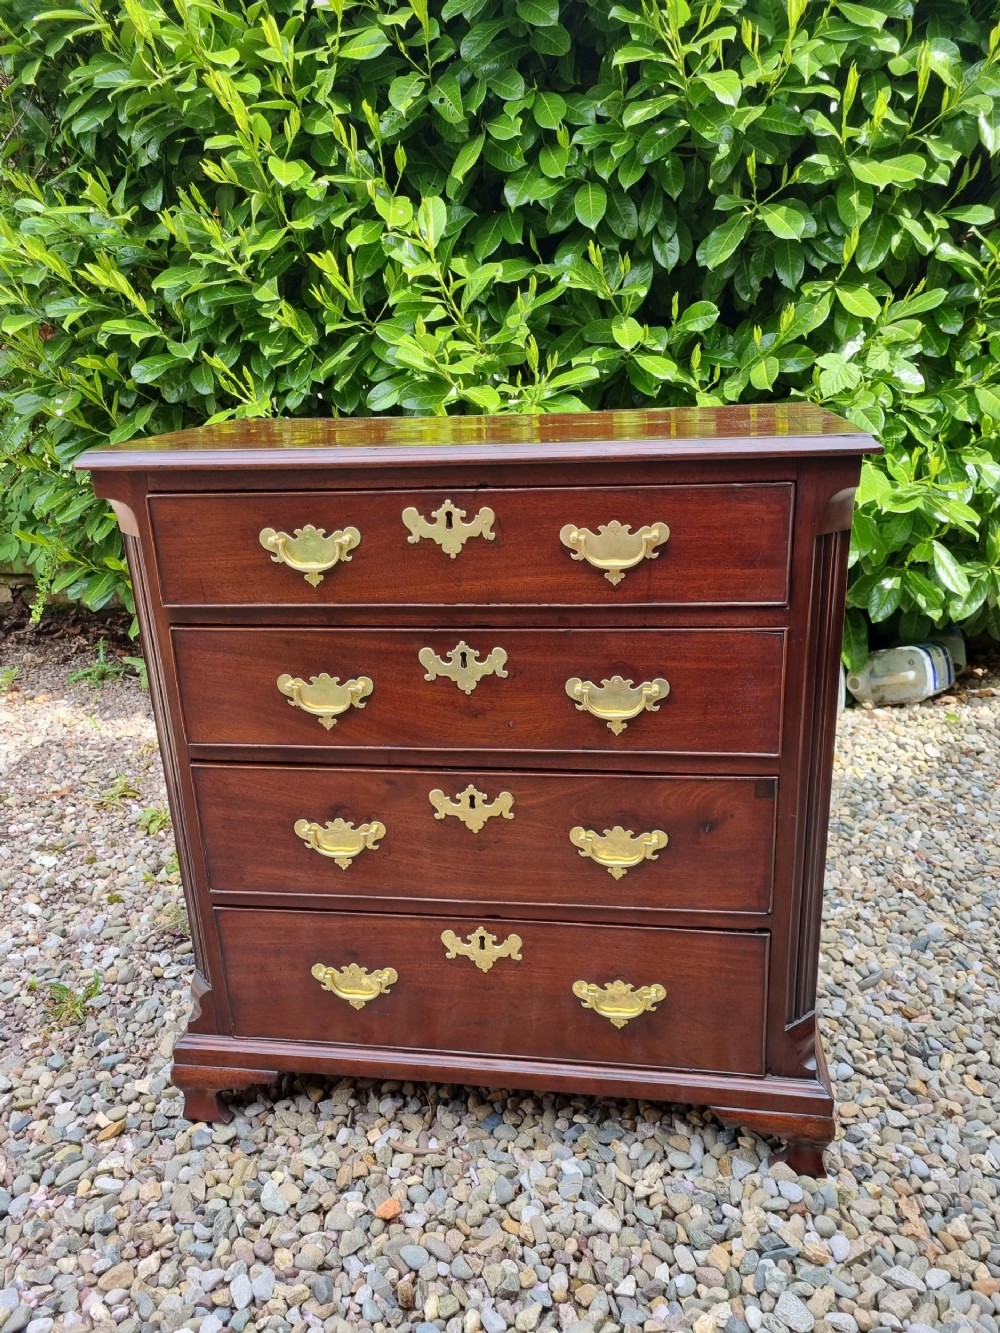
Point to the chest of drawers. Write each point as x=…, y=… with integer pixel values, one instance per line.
x=499, y=750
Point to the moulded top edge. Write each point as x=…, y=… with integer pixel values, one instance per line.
x=754, y=430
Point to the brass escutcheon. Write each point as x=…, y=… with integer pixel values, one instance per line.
x=619, y=849
x=323, y=696
x=614, y=547
x=340, y=840
x=617, y=699
x=462, y=665
x=355, y=984
x=481, y=947
x=310, y=552
x=471, y=806
x=619, y=1001
x=449, y=529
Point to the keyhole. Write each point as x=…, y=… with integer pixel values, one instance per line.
x=472, y=803
x=482, y=943
x=463, y=659
x=449, y=520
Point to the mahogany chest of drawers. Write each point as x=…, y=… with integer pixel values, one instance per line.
x=499, y=749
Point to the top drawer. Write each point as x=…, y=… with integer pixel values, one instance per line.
x=660, y=545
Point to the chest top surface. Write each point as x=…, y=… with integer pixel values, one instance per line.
x=782, y=430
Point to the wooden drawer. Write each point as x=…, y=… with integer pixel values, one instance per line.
x=727, y=544
x=711, y=1017
x=717, y=858
x=724, y=697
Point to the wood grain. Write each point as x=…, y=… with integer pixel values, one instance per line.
x=710, y=1020
x=728, y=545
x=725, y=689
x=719, y=857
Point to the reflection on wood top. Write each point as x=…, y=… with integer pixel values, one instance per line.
x=767, y=429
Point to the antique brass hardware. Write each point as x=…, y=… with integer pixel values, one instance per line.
x=619, y=1001
x=462, y=665
x=310, y=552
x=614, y=547
x=617, y=699
x=471, y=806
x=482, y=947
x=449, y=528
x=355, y=984
x=323, y=696
x=618, y=850
x=340, y=840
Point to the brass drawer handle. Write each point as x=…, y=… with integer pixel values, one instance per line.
x=618, y=850
x=449, y=529
x=340, y=840
x=310, y=552
x=471, y=806
x=462, y=665
x=481, y=947
x=323, y=696
x=355, y=984
x=617, y=699
x=614, y=547
x=619, y=1001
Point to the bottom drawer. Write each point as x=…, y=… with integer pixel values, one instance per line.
x=690, y=999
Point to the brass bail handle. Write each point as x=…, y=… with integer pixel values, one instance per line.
x=614, y=547
x=616, y=700
x=310, y=552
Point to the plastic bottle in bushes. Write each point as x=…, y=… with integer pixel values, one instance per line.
x=911, y=673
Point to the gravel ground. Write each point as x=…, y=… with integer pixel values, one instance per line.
x=363, y=1205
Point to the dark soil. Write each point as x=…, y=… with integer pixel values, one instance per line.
x=80, y=628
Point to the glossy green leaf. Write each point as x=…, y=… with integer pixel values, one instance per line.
x=364, y=45
x=948, y=570
x=884, y=597
x=432, y=218
x=784, y=221
x=724, y=84
x=859, y=301
x=902, y=170
x=627, y=332
x=468, y=156
x=538, y=13
x=590, y=204
x=548, y=110
x=988, y=398
x=719, y=244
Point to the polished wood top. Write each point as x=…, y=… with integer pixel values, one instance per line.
x=766, y=430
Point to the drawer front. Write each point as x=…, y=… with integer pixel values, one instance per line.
x=693, y=844
x=727, y=544
x=696, y=999
x=692, y=691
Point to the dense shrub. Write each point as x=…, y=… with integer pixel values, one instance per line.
x=214, y=208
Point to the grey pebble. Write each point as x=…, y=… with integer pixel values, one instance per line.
x=272, y=1200
x=241, y=1291
x=840, y=1247
x=262, y=1285
x=791, y=1311
x=605, y=1220
x=503, y=1190
x=414, y=1256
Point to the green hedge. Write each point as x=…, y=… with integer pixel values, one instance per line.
x=213, y=209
